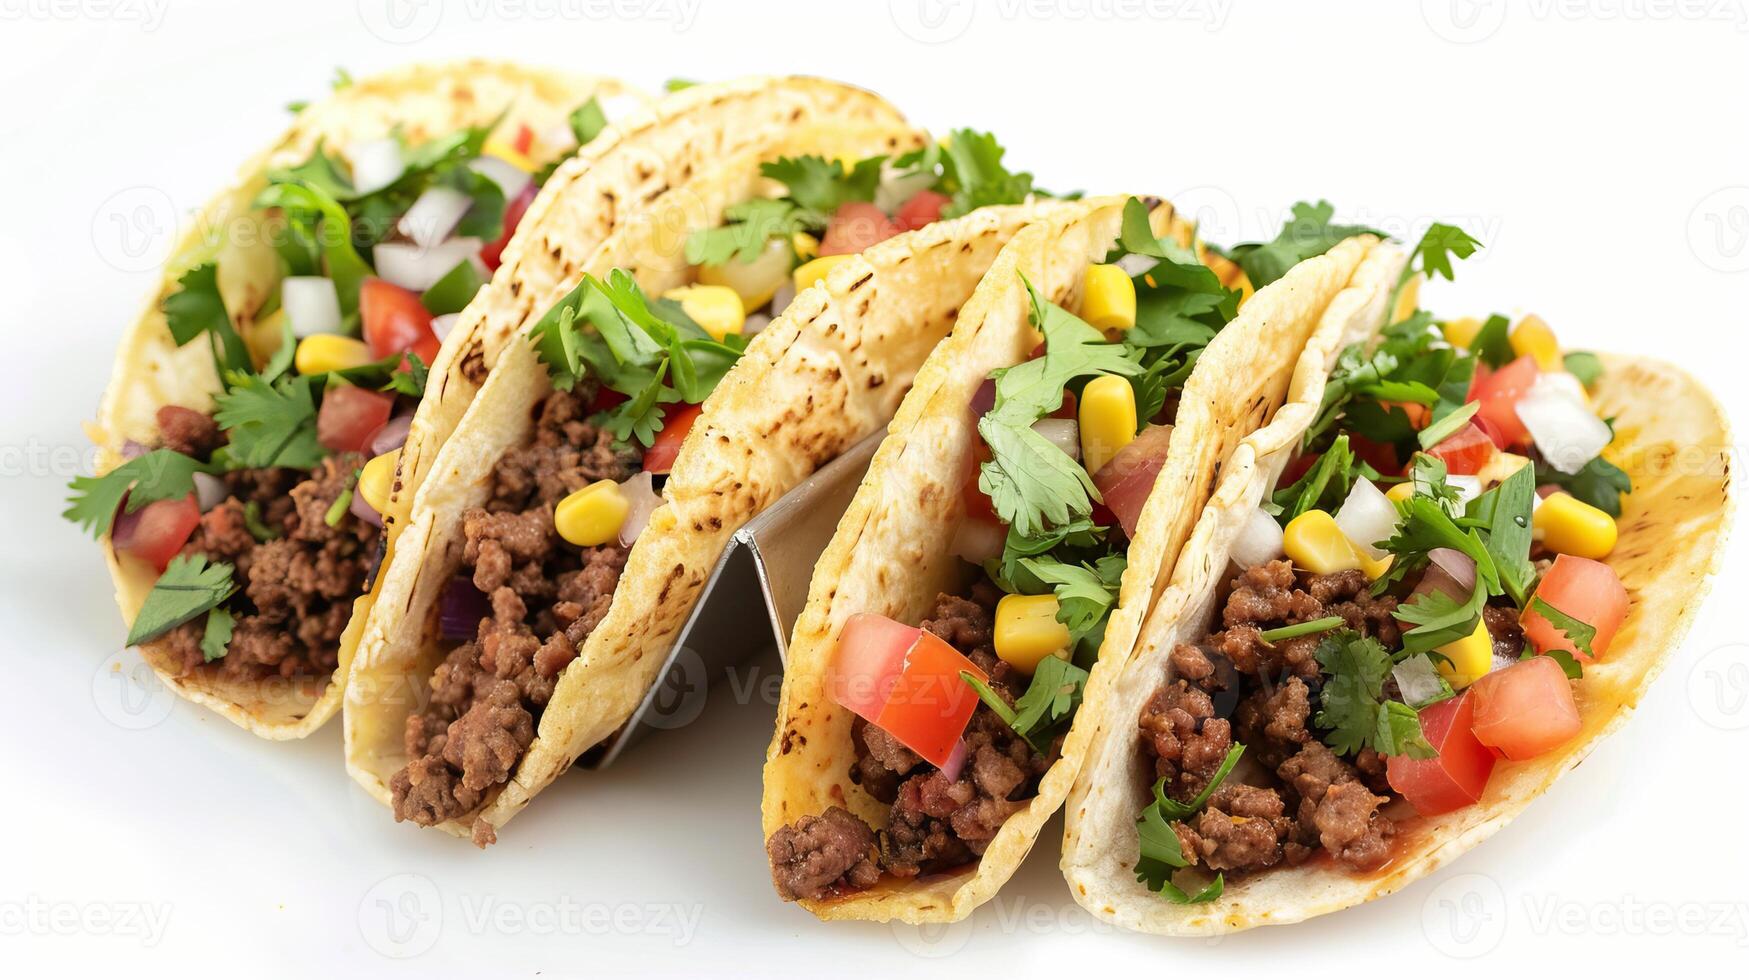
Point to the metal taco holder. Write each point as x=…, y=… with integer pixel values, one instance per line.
x=752, y=598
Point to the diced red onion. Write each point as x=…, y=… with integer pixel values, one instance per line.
x=956, y=761
x=1567, y=432
x=780, y=300
x=210, y=491
x=1418, y=680
x=460, y=609
x=755, y=322
x=1450, y=571
x=361, y=509
x=1367, y=517
x=1259, y=540
x=411, y=267
x=510, y=178
x=392, y=436
x=133, y=450
x=984, y=398
x=978, y=541
x=442, y=325
x=436, y=213
x=375, y=164
x=640, y=492
x=312, y=305
x=1063, y=433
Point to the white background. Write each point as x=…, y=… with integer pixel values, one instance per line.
x=1598, y=148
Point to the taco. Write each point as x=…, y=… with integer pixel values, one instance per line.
x=761, y=314
x=1418, y=596
x=1026, y=508
x=289, y=340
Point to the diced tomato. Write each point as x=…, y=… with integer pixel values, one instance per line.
x=855, y=226
x=977, y=502
x=1586, y=590
x=677, y=422
x=1069, y=409
x=514, y=209
x=1126, y=481
x=524, y=138
x=1465, y=451
x=907, y=681
x=156, y=532
x=924, y=208
x=1298, y=467
x=396, y=321
x=983, y=399
x=1499, y=392
x=606, y=398
x=1419, y=414
x=1456, y=777
x=1490, y=430
x=350, y=415
x=1380, y=456
x=1526, y=709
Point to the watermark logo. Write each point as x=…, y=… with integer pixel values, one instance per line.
x=1472, y=21
x=129, y=695
x=134, y=229
x=935, y=940
x=680, y=695
x=1718, y=687
x=1464, y=21
x=401, y=21
x=37, y=916
x=932, y=21
x=1718, y=230
x=401, y=916
x=1465, y=916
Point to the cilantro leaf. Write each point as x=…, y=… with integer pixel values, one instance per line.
x=1323, y=487
x=1506, y=510
x=189, y=586
x=1425, y=526
x=1580, y=633
x=1085, y=594
x=1050, y=700
x=1491, y=344
x=258, y=529
x=974, y=176
x=1584, y=365
x=216, y=641
x=270, y=424
x=587, y=121
x=1599, y=483
x=1160, y=850
x=1438, y=245
x=750, y=225
x=1439, y=619
x=313, y=205
x=1352, y=704
x=196, y=308
x=410, y=380
x=822, y=185
x=1307, y=233
x=161, y=474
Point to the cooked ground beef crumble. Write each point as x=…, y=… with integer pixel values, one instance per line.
x=546, y=596
x=934, y=824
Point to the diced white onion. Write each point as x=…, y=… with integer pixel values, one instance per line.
x=1564, y=382
x=210, y=491
x=1259, y=541
x=754, y=323
x=1468, y=487
x=1063, y=433
x=1567, y=432
x=411, y=267
x=619, y=105
x=641, y=493
x=434, y=215
x=978, y=541
x=1418, y=680
x=781, y=299
x=311, y=305
x=510, y=178
x=375, y=164
x=1367, y=517
x=1134, y=265
x=897, y=186
x=442, y=325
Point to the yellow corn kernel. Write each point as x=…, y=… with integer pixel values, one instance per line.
x=1462, y=331
x=376, y=482
x=1569, y=526
x=593, y=515
x=495, y=147
x=326, y=352
x=1027, y=631
x=806, y=245
x=817, y=269
x=1470, y=657
x=1313, y=542
x=1400, y=492
x=1407, y=300
x=715, y=308
x=1500, y=466
x=1375, y=568
x=1109, y=300
x=1108, y=419
x=1532, y=336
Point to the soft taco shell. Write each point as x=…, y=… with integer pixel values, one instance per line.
x=1671, y=437
x=151, y=371
x=892, y=553
x=823, y=375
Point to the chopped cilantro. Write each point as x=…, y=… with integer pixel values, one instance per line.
x=1301, y=629
x=1580, y=634
x=411, y=379
x=269, y=424
x=1352, y=705
x=215, y=642
x=1599, y=483
x=1584, y=365
x=189, y=586
x=1307, y=233
x=196, y=308
x=1161, y=853
x=161, y=474
x=258, y=529
x=1323, y=487
x=587, y=121
x=343, y=503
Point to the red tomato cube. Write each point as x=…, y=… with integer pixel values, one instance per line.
x=1457, y=776
x=1586, y=590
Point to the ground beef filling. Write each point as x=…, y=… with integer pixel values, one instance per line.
x=1233, y=686
x=934, y=824
x=295, y=590
x=546, y=597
